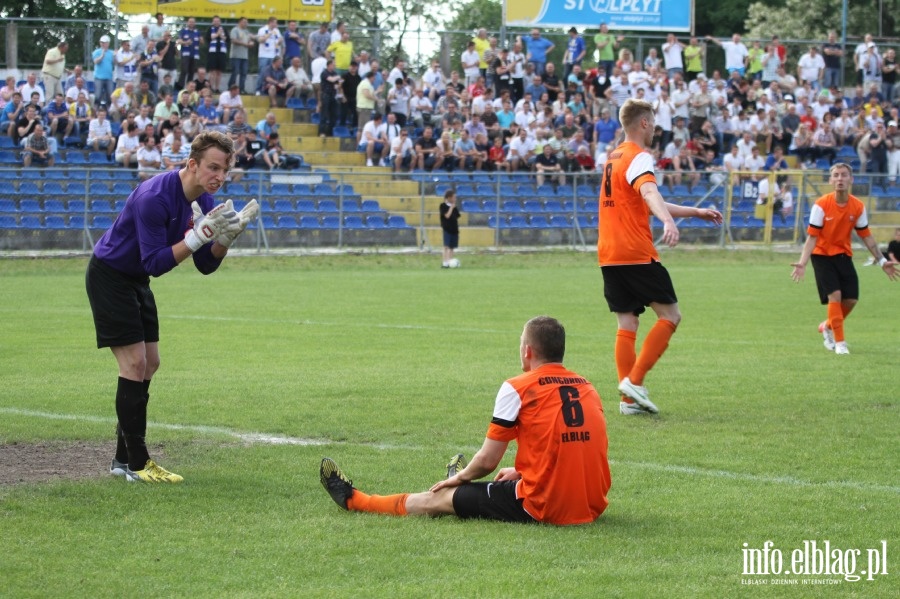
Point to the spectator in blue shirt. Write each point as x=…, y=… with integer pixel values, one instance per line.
x=575, y=51
x=537, y=50
x=606, y=128
x=536, y=89
x=104, y=63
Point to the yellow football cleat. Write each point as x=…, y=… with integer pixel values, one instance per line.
x=152, y=473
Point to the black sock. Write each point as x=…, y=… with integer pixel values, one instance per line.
x=121, y=449
x=131, y=409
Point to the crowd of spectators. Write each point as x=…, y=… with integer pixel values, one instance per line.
x=505, y=106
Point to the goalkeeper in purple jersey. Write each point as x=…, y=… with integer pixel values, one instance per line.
x=166, y=220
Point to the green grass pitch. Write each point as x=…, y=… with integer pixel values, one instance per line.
x=390, y=365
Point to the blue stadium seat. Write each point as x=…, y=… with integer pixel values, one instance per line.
x=283, y=206
x=29, y=188
x=532, y=206
x=236, y=189
x=485, y=190
x=465, y=191
x=397, y=221
x=30, y=222
x=288, y=222
x=565, y=191
x=302, y=189
x=122, y=189
x=30, y=207
x=76, y=222
x=9, y=174
x=327, y=206
x=54, y=206
x=586, y=222
x=315, y=118
x=559, y=221
x=126, y=175
x=350, y=205
x=585, y=191
x=101, y=222
x=553, y=206
x=53, y=188
x=8, y=157
x=375, y=221
x=517, y=222
x=8, y=207
x=32, y=174
x=75, y=157
x=323, y=189
x=539, y=221
x=295, y=104
x=101, y=206
x=268, y=221
x=471, y=206
x=100, y=189
x=311, y=104
x=512, y=206
x=73, y=141
x=354, y=222
x=545, y=191
x=342, y=131
x=281, y=189
x=306, y=206
x=8, y=222
x=441, y=188
x=6, y=143
x=331, y=222
x=495, y=223
x=346, y=191
x=55, y=222
x=98, y=158
x=370, y=206
x=489, y=206
x=309, y=222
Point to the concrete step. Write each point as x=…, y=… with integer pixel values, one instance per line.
x=469, y=237
x=882, y=234
x=387, y=188
x=282, y=115
x=885, y=218
x=297, y=144
x=338, y=159
x=255, y=101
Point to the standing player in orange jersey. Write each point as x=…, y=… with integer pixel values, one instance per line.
x=633, y=277
x=561, y=473
x=833, y=218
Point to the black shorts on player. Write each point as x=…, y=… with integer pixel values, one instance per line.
x=124, y=308
x=632, y=287
x=491, y=501
x=835, y=273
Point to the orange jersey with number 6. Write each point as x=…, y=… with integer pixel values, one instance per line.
x=556, y=418
x=625, y=236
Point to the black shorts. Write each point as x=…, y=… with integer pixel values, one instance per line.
x=123, y=307
x=216, y=61
x=451, y=240
x=632, y=287
x=835, y=273
x=491, y=501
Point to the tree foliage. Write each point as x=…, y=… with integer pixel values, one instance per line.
x=35, y=37
x=720, y=18
x=395, y=19
x=812, y=19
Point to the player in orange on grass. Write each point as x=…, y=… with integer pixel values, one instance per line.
x=633, y=277
x=833, y=218
x=561, y=473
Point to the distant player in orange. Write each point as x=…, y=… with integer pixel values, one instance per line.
x=561, y=474
x=633, y=277
x=832, y=219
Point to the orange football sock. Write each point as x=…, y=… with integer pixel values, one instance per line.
x=654, y=345
x=836, y=320
x=625, y=355
x=394, y=505
x=847, y=309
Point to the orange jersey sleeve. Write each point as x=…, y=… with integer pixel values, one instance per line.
x=624, y=230
x=556, y=418
x=832, y=224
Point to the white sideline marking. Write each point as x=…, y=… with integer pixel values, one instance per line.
x=368, y=325
x=269, y=439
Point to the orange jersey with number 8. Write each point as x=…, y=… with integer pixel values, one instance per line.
x=624, y=235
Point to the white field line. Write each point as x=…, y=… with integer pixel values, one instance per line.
x=269, y=439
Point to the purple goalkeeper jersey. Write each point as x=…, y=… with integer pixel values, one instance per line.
x=156, y=216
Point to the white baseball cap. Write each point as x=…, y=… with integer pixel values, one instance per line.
x=105, y=38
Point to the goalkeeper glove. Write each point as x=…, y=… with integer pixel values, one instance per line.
x=209, y=226
x=245, y=217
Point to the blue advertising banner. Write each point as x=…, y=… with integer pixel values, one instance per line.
x=642, y=15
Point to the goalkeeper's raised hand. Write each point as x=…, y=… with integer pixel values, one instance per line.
x=245, y=217
x=208, y=227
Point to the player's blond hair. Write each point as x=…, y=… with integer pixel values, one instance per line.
x=838, y=165
x=633, y=111
x=209, y=139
